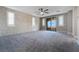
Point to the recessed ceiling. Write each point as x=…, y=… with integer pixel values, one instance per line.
x=53, y=10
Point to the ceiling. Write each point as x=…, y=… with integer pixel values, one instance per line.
x=33, y=10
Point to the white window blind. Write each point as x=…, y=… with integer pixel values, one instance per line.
x=33, y=21
x=43, y=21
x=61, y=20
x=33, y=24
x=11, y=18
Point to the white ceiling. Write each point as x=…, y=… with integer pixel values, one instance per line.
x=53, y=10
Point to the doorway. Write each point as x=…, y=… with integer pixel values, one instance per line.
x=51, y=23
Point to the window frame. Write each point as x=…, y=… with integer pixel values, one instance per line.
x=59, y=22
x=11, y=23
x=33, y=21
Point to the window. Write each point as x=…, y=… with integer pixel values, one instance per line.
x=33, y=21
x=33, y=24
x=61, y=20
x=43, y=21
x=49, y=23
x=11, y=19
x=53, y=23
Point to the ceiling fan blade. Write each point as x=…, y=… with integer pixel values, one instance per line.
x=41, y=9
x=46, y=10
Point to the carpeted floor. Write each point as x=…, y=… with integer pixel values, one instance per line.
x=41, y=41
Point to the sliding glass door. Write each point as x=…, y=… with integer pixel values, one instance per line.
x=51, y=24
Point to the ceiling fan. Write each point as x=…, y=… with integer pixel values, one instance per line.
x=42, y=11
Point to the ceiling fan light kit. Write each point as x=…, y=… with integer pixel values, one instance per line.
x=42, y=11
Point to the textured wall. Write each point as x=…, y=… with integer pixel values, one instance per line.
x=23, y=22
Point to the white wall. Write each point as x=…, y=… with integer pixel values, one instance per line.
x=43, y=26
x=67, y=23
x=35, y=23
x=76, y=22
x=23, y=22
